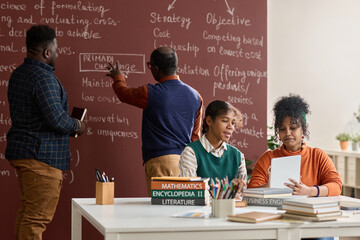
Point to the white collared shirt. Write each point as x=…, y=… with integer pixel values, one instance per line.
x=188, y=163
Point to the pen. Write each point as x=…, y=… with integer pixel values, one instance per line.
x=218, y=190
x=215, y=191
x=226, y=192
x=211, y=194
x=235, y=190
x=98, y=175
x=229, y=192
x=104, y=177
x=223, y=191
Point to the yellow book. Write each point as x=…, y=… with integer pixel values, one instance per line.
x=253, y=217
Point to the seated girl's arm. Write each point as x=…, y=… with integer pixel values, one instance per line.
x=188, y=163
x=241, y=176
x=242, y=172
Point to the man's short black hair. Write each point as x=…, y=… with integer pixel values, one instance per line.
x=165, y=59
x=39, y=37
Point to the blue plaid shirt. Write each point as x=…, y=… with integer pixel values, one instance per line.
x=40, y=116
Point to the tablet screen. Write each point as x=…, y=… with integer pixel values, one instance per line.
x=283, y=168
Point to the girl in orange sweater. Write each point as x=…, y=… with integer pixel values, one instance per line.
x=318, y=174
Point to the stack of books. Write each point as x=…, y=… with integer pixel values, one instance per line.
x=270, y=197
x=312, y=209
x=186, y=191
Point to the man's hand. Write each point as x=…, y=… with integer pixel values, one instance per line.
x=114, y=70
x=82, y=128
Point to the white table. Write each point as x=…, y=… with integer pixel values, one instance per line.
x=136, y=218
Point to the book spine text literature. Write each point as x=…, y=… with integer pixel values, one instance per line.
x=179, y=201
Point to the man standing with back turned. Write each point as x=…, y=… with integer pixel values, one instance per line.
x=172, y=113
x=38, y=140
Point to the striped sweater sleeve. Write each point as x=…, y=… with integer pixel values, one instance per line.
x=188, y=163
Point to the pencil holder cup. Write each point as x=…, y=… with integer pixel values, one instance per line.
x=221, y=208
x=104, y=193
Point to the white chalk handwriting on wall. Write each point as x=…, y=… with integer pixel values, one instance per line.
x=222, y=53
x=221, y=46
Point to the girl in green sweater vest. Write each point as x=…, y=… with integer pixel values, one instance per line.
x=211, y=156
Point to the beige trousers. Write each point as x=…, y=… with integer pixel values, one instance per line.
x=40, y=186
x=167, y=165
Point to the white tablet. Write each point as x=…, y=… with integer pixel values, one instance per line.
x=283, y=168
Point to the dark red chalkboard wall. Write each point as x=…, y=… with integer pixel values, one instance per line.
x=221, y=45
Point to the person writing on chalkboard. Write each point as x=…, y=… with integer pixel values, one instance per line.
x=211, y=156
x=38, y=140
x=171, y=113
x=318, y=174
